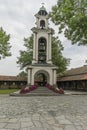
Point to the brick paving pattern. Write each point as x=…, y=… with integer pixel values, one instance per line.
x=43, y=113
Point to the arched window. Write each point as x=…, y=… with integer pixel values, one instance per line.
x=42, y=50
x=42, y=12
x=42, y=24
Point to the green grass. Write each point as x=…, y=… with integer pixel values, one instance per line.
x=8, y=91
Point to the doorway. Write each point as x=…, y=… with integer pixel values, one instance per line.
x=41, y=78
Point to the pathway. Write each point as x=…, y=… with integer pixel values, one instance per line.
x=43, y=113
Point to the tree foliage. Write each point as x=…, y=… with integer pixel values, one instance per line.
x=4, y=44
x=57, y=57
x=71, y=17
x=22, y=74
x=26, y=57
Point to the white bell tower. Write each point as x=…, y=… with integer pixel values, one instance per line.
x=42, y=55
x=42, y=38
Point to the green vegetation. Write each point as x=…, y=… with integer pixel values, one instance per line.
x=4, y=44
x=8, y=91
x=71, y=18
x=26, y=56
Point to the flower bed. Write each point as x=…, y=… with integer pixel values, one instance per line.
x=56, y=90
x=28, y=89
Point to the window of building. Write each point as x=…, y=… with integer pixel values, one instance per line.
x=42, y=24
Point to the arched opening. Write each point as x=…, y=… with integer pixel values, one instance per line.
x=42, y=50
x=42, y=12
x=41, y=78
x=42, y=24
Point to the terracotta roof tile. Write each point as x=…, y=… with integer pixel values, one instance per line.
x=74, y=74
x=12, y=78
x=74, y=77
x=76, y=71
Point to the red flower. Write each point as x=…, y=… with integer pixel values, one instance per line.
x=27, y=89
x=60, y=91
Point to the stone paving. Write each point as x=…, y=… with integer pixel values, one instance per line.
x=43, y=113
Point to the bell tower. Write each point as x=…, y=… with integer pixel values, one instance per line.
x=42, y=55
x=42, y=38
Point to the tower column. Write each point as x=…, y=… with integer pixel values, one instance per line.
x=49, y=49
x=32, y=78
x=51, y=78
x=54, y=76
x=29, y=77
x=34, y=48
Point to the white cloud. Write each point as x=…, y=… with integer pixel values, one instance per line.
x=17, y=19
x=77, y=54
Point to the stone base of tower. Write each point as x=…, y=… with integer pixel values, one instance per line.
x=49, y=70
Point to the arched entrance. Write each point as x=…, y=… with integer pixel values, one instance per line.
x=41, y=78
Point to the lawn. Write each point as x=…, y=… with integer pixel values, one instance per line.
x=8, y=91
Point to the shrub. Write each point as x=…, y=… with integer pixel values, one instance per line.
x=28, y=89
x=54, y=89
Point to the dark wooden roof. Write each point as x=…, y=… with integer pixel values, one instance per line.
x=76, y=71
x=12, y=78
x=74, y=74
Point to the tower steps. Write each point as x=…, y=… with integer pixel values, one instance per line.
x=40, y=91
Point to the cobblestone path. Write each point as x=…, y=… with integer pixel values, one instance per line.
x=43, y=113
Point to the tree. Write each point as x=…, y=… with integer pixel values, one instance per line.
x=26, y=57
x=57, y=56
x=22, y=74
x=4, y=44
x=71, y=17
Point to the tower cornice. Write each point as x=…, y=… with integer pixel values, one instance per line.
x=48, y=30
x=43, y=16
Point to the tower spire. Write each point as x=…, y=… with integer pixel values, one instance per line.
x=43, y=3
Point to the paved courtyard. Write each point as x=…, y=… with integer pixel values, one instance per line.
x=43, y=113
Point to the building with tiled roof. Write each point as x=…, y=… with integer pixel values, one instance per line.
x=12, y=82
x=11, y=78
x=74, y=74
x=74, y=79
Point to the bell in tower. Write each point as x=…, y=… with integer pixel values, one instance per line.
x=42, y=50
x=42, y=18
x=42, y=24
x=42, y=12
x=42, y=38
x=42, y=55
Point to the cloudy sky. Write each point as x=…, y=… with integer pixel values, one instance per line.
x=17, y=19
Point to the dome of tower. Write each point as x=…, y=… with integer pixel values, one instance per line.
x=42, y=11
